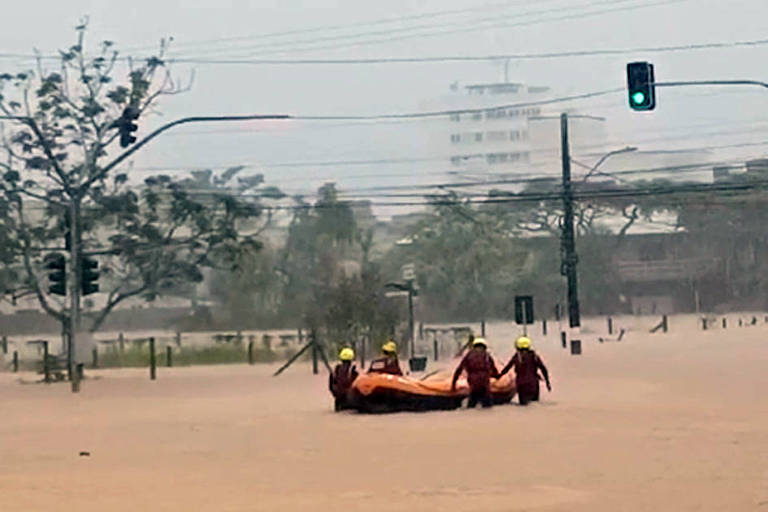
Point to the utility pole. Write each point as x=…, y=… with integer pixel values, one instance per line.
x=568, y=242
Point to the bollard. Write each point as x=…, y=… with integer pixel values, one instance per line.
x=168, y=356
x=250, y=352
x=434, y=346
x=664, y=323
x=482, y=328
x=575, y=347
x=543, y=327
x=314, y=355
x=704, y=324
x=15, y=362
x=152, y=360
x=740, y=322
x=77, y=377
x=95, y=357
x=178, y=338
x=46, y=369
x=725, y=323
x=562, y=339
x=610, y=325
x=5, y=344
x=121, y=341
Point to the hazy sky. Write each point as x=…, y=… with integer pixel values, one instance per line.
x=685, y=118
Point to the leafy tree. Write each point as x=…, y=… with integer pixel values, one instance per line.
x=61, y=155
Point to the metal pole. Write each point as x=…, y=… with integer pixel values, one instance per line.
x=525, y=321
x=15, y=361
x=313, y=341
x=569, y=244
x=410, y=319
x=74, y=289
x=46, y=369
x=168, y=356
x=152, y=360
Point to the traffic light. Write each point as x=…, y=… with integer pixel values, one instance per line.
x=57, y=264
x=127, y=125
x=640, y=86
x=88, y=276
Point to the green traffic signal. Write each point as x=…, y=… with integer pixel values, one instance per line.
x=641, y=86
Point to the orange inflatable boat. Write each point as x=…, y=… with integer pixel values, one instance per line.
x=379, y=392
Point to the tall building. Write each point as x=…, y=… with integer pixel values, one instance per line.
x=507, y=134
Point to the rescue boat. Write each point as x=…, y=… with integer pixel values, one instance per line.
x=380, y=392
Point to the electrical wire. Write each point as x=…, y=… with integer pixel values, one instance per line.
x=474, y=28
x=476, y=23
x=477, y=58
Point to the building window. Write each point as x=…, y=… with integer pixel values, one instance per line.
x=456, y=160
x=496, y=114
x=477, y=116
x=478, y=136
x=456, y=117
x=455, y=138
x=496, y=135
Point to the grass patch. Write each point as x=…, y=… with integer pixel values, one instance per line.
x=138, y=357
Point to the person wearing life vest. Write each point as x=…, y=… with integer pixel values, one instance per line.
x=342, y=377
x=480, y=367
x=388, y=362
x=527, y=365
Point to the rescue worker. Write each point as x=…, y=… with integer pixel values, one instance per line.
x=480, y=367
x=342, y=377
x=527, y=365
x=388, y=362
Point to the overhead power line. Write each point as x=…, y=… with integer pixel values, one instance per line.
x=331, y=28
x=474, y=27
x=536, y=197
x=414, y=31
x=478, y=58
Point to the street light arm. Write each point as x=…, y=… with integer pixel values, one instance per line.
x=605, y=157
x=185, y=120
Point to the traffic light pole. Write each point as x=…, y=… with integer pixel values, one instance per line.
x=74, y=293
x=568, y=240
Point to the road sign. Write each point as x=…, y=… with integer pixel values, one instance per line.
x=409, y=272
x=523, y=309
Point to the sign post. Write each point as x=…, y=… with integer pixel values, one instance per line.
x=524, y=311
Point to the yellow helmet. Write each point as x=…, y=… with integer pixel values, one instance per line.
x=389, y=347
x=479, y=341
x=523, y=342
x=347, y=354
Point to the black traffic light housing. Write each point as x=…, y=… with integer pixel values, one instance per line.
x=57, y=264
x=127, y=125
x=89, y=276
x=640, y=86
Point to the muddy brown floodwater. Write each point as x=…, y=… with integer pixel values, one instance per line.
x=663, y=422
